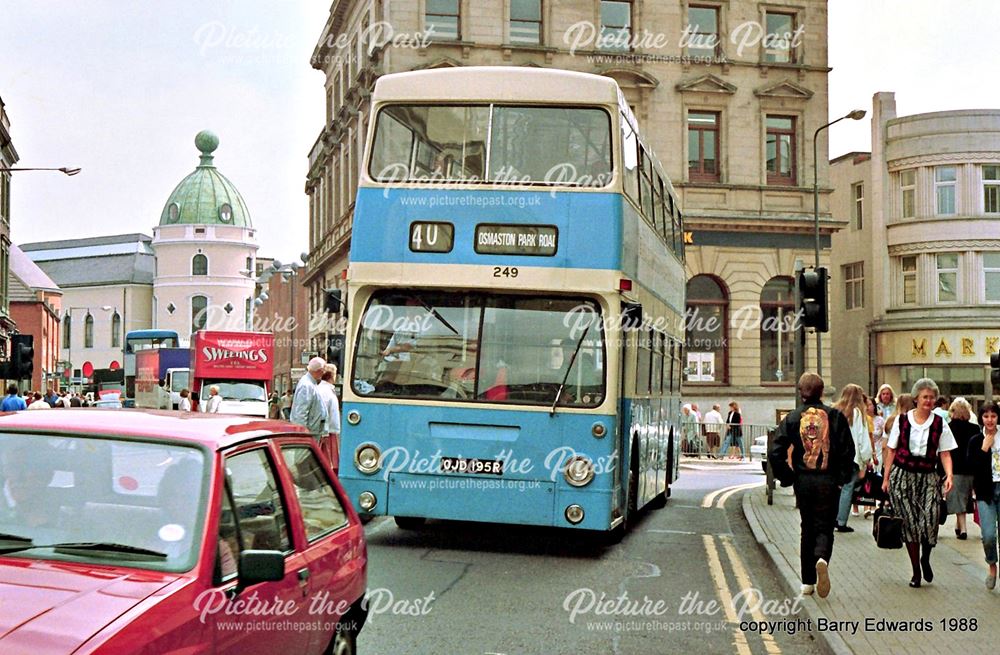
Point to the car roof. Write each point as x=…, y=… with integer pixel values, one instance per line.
x=214, y=431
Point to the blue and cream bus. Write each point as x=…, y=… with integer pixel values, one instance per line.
x=136, y=340
x=508, y=222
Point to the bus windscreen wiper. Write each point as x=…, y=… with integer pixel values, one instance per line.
x=435, y=313
x=572, y=360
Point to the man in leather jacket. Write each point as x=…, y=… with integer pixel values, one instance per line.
x=822, y=458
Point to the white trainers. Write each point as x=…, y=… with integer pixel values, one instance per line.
x=807, y=590
x=822, y=578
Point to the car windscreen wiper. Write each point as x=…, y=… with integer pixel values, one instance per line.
x=435, y=313
x=572, y=360
x=108, y=546
x=14, y=537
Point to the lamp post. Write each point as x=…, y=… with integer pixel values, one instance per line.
x=63, y=169
x=69, y=358
x=855, y=115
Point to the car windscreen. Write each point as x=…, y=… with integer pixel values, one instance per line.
x=102, y=500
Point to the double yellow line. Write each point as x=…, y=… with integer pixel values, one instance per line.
x=739, y=572
x=726, y=492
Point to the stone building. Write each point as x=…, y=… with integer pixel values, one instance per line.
x=205, y=247
x=739, y=87
x=917, y=288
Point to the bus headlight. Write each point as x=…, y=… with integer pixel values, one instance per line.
x=579, y=471
x=574, y=514
x=354, y=417
x=367, y=501
x=598, y=430
x=368, y=458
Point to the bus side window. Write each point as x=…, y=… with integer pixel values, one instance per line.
x=644, y=363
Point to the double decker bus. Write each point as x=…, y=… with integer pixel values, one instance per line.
x=136, y=340
x=516, y=289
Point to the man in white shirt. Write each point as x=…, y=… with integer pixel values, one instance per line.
x=330, y=442
x=308, y=409
x=713, y=425
x=38, y=402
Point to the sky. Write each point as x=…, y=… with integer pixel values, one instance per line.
x=121, y=87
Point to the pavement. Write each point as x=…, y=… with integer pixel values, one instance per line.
x=870, y=584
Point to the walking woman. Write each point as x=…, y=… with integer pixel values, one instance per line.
x=984, y=460
x=885, y=401
x=734, y=431
x=964, y=430
x=852, y=406
x=919, y=439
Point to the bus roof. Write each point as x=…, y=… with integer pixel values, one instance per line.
x=150, y=334
x=499, y=84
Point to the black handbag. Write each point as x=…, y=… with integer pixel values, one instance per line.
x=942, y=511
x=868, y=492
x=887, y=528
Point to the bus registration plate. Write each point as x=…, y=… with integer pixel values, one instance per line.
x=479, y=466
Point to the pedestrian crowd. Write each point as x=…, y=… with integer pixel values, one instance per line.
x=711, y=434
x=919, y=456
x=16, y=400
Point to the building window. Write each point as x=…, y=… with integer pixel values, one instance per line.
x=88, y=331
x=991, y=276
x=947, y=276
x=781, y=150
x=858, y=209
x=116, y=331
x=909, y=270
x=706, y=338
x=246, y=314
x=908, y=188
x=944, y=189
x=991, y=189
x=778, y=46
x=67, y=331
x=703, y=146
x=616, y=25
x=443, y=19
x=777, y=342
x=199, y=313
x=854, y=285
x=526, y=21
x=703, y=30
x=199, y=265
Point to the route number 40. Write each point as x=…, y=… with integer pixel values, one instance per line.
x=504, y=271
x=432, y=237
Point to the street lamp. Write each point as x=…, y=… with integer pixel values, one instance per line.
x=63, y=169
x=855, y=115
x=69, y=312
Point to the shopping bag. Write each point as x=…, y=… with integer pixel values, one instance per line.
x=887, y=528
x=942, y=511
x=869, y=491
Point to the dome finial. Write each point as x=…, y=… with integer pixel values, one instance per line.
x=207, y=142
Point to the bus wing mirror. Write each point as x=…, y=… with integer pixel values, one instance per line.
x=631, y=316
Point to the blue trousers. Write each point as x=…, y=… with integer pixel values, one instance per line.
x=846, y=494
x=989, y=514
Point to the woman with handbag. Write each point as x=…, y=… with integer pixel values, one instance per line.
x=918, y=441
x=734, y=431
x=984, y=461
x=852, y=406
x=961, y=493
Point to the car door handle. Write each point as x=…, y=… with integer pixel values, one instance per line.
x=304, y=581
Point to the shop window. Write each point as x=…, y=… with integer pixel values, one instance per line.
x=777, y=352
x=706, y=335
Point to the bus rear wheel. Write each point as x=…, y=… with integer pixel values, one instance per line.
x=409, y=522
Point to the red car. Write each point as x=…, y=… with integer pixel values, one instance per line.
x=160, y=532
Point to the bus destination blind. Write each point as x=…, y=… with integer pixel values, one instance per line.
x=537, y=240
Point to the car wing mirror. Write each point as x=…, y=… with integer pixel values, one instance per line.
x=260, y=566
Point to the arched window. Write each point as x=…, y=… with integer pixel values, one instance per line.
x=88, y=331
x=706, y=330
x=199, y=313
x=777, y=339
x=67, y=331
x=116, y=331
x=199, y=265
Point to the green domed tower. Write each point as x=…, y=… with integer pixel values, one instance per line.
x=206, y=196
x=206, y=252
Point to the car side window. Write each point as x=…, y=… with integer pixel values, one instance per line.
x=322, y=512
x=229, y=543
x=260, y=510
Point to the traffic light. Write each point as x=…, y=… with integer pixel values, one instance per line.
x=812, y=299
x=332, y=301
x=995, y=373
x=335, y=351
x=22, y=356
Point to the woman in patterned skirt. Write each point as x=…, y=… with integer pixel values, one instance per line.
x=919, y=439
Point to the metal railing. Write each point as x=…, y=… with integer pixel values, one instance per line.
x=696, y=441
